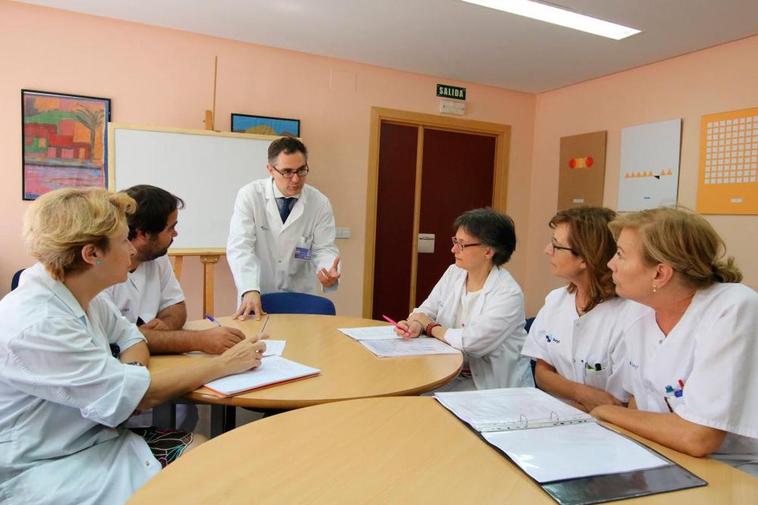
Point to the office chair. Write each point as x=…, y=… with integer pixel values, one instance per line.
x=16, y=278
x=296, y=303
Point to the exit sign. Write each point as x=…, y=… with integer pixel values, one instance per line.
x=447, y=91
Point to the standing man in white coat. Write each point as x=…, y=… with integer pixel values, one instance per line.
x=281, y=236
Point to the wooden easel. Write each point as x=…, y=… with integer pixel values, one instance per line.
x=208, y=257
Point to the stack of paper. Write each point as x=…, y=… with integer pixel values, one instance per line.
x=273, y=369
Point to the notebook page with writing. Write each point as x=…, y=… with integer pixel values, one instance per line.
x=510, y=409
x=573, y=451
x=410, y=347
x=371, y=333
x=273, y=369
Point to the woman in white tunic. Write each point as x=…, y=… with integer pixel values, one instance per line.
x=477, y=307
x=63, y=394
x=576, y=336
x=693, y=353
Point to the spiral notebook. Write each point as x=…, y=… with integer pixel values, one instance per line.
x=572, y=457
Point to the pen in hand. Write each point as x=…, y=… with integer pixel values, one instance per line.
x=406, y=332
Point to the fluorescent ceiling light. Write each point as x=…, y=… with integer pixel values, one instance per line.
x=557, y=16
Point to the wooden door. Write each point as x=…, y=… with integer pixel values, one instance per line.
x=394, y=220
x=457, y=176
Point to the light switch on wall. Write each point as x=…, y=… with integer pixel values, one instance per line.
x=343, y=232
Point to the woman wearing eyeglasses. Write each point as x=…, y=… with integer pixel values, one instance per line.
x=576, y=336
x=477, y=307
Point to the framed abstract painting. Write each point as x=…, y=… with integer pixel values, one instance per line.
x=264, y=125
x=64, y=141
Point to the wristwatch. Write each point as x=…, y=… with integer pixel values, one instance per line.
x=135, y=363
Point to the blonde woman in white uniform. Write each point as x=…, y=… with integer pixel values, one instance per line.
x=576, y=336
x=63, y=395
x=477, y=307
x=693, y=354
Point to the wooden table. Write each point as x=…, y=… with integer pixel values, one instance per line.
x=382, y=450
x=348, y=370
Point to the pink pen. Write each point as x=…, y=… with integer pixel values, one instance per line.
x=394, y=323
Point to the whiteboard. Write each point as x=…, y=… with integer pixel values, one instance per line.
x=203, y=168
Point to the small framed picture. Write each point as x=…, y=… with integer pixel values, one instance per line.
x=64, y=141
x=264, y=125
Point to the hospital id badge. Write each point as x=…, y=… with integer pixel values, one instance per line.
x=302, y=252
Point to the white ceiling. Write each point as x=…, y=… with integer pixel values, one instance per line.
x=449, y=38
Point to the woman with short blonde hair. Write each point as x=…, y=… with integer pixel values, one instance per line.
x=692, y=354
x=63, y=392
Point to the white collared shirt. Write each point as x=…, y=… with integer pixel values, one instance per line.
x=149, y=289
x=713, y=351
x=587, y=349
x=62, y=396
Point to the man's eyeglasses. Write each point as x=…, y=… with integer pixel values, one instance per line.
x=460, y=245
x=555, y=247
x=289, y=173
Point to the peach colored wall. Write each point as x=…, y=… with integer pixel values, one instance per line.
x=164, y=77
x=718, y=79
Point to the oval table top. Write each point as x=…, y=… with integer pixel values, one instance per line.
x=382, y=450
x=348, y=370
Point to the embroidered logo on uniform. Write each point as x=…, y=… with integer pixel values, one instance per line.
x=633, y=364
x=551, y=338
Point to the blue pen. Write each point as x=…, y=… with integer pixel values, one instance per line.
x=213, y=320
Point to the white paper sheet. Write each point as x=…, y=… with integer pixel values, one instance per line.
x=409, y=347
x=573, y=451
x=274, y=347
x=510, y=408
x=273, y=369
x=371, y=333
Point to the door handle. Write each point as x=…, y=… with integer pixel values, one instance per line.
x=425, y=243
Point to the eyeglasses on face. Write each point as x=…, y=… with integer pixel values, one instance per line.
x=461, y=246
x=555, y=247
x=289, y=173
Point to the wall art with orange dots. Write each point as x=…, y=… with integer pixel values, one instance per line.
x=649, y=170
x=581, y=174
x=728, y=177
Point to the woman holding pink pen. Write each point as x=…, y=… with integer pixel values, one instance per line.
x=477, y=307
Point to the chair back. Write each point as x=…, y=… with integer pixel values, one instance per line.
x=528, y=323
x=16, y=278
x=297, y=303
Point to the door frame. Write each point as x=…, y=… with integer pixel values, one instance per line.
x=502, y=134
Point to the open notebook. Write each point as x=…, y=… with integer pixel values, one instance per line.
x=573, y=458
x=273, y=370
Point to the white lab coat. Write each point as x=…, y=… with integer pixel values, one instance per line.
x=148, y=290
x=63, y=396
x=713, y=350
x=261, y=250
x=493, y=339
x=151, y=288
x=587, y=349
